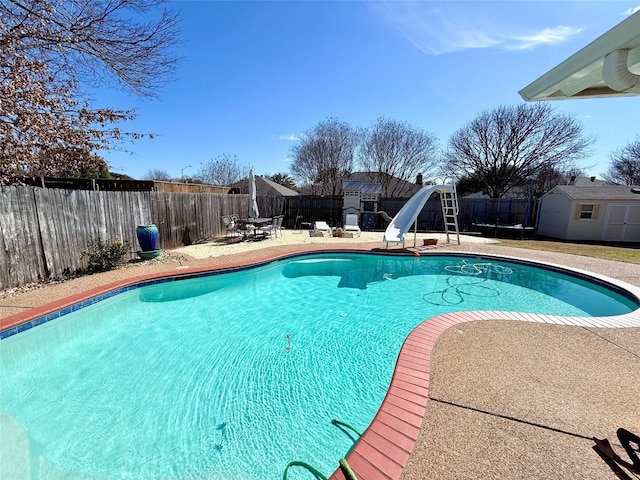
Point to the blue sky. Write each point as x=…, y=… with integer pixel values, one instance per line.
x=255, y=75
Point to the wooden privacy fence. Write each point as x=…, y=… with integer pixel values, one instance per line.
x=472, y=211
x=45, y=231
x=120, y=185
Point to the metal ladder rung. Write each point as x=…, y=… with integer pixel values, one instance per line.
x=449, y=204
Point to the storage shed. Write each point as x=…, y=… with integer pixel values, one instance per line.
x=610, y=214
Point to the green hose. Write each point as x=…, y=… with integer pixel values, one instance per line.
x=344, y=466
x=346, y=425
x=346, y=469
x=297, y=463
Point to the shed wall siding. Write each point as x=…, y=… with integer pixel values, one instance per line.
x=553, y=218
x=586, y=228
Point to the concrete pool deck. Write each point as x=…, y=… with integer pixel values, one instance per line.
x=506, y=398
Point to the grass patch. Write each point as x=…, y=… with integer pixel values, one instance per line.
x=606, y=252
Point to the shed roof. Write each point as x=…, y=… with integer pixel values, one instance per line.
x=352, y=185
x=599, y=192
x=362, y=187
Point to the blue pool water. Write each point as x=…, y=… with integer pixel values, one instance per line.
x=232, y=376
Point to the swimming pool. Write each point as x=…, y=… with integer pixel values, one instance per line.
x=241, y=373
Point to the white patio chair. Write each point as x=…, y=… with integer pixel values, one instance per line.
x=321, y=226
x=270, y=230
x=230, y=225
x=351, y=224
x=279, y=226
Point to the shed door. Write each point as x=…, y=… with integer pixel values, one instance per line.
x=632, y=228
x=622, y=223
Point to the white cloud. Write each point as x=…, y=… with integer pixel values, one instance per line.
x=548, y=36
x=289, y=136
x=632, y=10
x=438, y=28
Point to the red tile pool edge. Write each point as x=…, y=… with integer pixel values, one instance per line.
x=385, y=446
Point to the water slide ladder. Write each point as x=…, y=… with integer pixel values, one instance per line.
x=450, y=209
x=408, y=214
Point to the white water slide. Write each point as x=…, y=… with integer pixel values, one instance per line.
x=407, y=215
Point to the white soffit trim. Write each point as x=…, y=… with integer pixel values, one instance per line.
x=586, y=74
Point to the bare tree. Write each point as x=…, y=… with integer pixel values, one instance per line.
x=325, y=155
x=156, y=174
x=395, y=150
x=48, y=48
x=546, y=179
x=95, y=40
x=511, y=145
x=225, y=169
x=625, y=164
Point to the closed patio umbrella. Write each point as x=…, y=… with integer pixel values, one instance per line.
x=253, y=203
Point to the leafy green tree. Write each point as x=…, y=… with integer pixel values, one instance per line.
x=468, y=185
x=283, y=179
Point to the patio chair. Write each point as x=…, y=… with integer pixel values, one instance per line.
x=230, y=225
x=270, y=230
x=351, y=224
x=323, y=227
x=279, y=226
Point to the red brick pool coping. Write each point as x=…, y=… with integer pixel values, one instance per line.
x=385, y=446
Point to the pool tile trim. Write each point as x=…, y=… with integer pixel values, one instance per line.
x=386, y=445
x=20, y=322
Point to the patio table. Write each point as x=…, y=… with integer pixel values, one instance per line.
x=257, y=223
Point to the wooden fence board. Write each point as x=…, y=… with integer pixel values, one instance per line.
x=47, y=208
x=29, y=235
x=20, y=247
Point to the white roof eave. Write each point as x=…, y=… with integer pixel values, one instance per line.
x=581, y=75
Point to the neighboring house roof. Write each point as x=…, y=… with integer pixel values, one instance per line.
x=275, y=189
x=590, y=182
x=264, y=187
x=607, y=67
x=616, y=193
